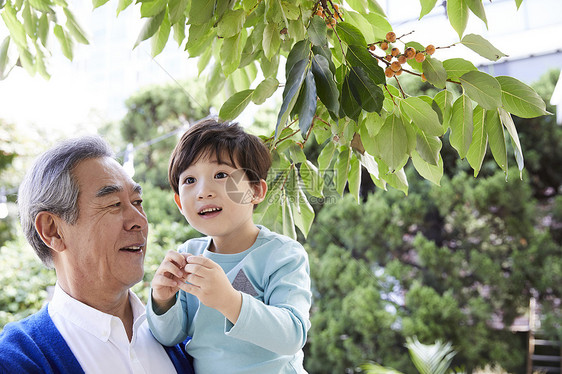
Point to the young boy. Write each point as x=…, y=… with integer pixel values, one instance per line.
x=243, y=292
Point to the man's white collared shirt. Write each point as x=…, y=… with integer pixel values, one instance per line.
x=99, y=340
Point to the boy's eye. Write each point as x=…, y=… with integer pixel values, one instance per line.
x=221, y=175
x=189, y=180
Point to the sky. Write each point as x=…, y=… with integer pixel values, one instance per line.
x=90, y=91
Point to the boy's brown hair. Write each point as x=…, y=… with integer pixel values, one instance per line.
x=221, y=139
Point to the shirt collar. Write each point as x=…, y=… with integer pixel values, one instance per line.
x=93, y=321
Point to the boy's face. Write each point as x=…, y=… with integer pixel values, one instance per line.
x=218, y=199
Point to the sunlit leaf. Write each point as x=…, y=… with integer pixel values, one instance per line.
x=150, y=27
x=350, y=34
x=507, y=121
x=317, y=31
x=426, y=7
x=434, y=72
x=160, y=39
x=201, y=11
x=496, y=138
x=481, y=46
x=477, y=7
x=235, y=105
x=428, y=147
x=432, y=173
x=264, y=90
x=456, y=67
x=477, y=149
x=392, y=140
x=231, y=23
x=461, y=125
x=354, y=177
x=271, y=40
x=422, y=115
x=520, y=99
x=482, y=88
x=153, y=8
x=64, y=40
x=75, y=29
x=457, y=12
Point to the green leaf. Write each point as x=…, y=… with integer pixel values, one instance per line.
x=264, y=90
x=176, y=10
x=43, y=29
x=477, y=149
x=507, y=121
x=231, y=23
x=360, y=22
x=520, y=99
x=306, y=104
x=288, y=220
x=370, y=96
x=28, y=23
x=350, y=34
x=396, y=179
x=361, y=57
x=303, y=213
x=426, y=7
x=124, y=4
x=432, y=173
x=75, y=29
x=271, y=40
x=203, y=60
x=349, y=104
x=428, y=147
x=325, y=156
x=456, y=67
x=235, y=105
x=42, y=6
x=354, y=177
x=317, y=31
x=444, y=99
x=392, y=140
x=518, y=3
x=483, y=47
x=39, y=62
x=150, y=27
x=179, y=33
x=300, y=51
x=290, y=93
x=152, y=8
x=64, y=40
x=461, y=125
x=342, y=167
x=496, y=138
x=98, y=3
x=457, y=12
x=477, y=8
x=17, y=31
x=326, y=87
x=434, y=72
x=199, y=36
x=4, y=56
x=231, y=53
x=201, y=11
x=380, y=24
x=160, y=39
x=482, y=88
x=422, y=115
x=311, y=179
x=215, y=81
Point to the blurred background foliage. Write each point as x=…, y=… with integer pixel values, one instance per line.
x=457, y=262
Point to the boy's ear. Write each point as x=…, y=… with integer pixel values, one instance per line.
x=260, y=190
x=177, y=200
x=48, y=227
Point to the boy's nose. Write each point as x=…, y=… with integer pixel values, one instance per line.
x=206, y=191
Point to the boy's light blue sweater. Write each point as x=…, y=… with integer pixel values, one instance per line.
x=273, y=276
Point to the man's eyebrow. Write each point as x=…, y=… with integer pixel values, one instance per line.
x=111, y=189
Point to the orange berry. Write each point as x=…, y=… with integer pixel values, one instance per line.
x=384, y=46
x=336, y=7
x=430, y=49
x=395, y=66
x=423, y=77
x=397, y=73
x=388, y=58
x=420, y=57
x=402, y=59
x=319, y=13
x=390, y=36
x=372, y=47
x=410, y=53
x=395, y=52
x=389, y=72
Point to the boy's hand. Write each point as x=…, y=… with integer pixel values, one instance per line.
x=167, y=281
x=210, y=284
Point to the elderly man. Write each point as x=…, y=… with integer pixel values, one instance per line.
x=83, y=216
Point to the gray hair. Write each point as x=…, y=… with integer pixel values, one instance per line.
x=50, y=186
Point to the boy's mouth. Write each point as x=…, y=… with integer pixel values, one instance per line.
x=206, y=211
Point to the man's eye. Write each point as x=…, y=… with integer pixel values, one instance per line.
x=221, y=175
x=137, y=202
x=115, y=205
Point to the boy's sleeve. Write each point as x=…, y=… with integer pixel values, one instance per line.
x=280, y=323
x=169, y=328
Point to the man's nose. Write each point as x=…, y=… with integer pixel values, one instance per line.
x=135, y=218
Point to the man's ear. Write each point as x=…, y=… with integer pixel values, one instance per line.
x=47, y=225
x=177, y=200
x=260, y=190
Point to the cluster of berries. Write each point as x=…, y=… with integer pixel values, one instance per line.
x=330, y=18
x=396, y=58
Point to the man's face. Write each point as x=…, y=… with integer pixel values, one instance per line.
x=107, y=244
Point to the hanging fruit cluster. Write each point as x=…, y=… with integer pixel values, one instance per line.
x=395, y=58
x=331, y=17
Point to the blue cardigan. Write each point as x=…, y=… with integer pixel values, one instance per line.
x=34, y=345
